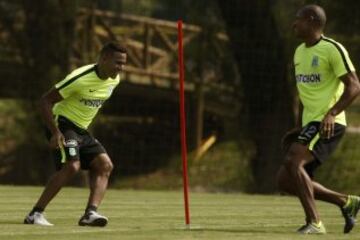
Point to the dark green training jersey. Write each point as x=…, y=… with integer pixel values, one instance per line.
x=84, y=93
x=317, y=72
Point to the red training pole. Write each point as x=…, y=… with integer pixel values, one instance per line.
x=183, y=124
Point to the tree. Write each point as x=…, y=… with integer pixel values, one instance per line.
x=49, y=34
x=259, y=53
x=42, y=33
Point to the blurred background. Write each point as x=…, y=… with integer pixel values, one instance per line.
x=240, y=90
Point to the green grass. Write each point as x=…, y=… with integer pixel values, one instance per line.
x=159, y=215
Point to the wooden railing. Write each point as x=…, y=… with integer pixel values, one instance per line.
x=151, y=43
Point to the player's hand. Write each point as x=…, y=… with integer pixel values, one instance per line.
x=57, y=140
x=327, y=126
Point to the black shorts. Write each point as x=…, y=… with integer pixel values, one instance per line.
x=321, y=148
x=79, y=145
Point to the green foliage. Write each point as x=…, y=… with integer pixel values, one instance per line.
x=342, y=170
x=141, y=7
x=13, y=119
x=339, y=15
x=45, y=43
x=225, y=167
x=23, y=151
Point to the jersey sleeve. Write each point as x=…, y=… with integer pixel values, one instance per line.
x=340, y=61
x=67, y=86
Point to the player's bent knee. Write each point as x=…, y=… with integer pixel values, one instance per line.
x=292, y=163
x=103, y=164
x=107, y=166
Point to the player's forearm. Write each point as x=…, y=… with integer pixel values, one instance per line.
x=299, y=115
x=351, y=91
x=46, y=113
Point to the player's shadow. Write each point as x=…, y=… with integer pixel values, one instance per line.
x=11, y=222
x=258, y=230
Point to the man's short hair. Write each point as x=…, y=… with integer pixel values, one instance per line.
x=316, y=14
x=112, y=47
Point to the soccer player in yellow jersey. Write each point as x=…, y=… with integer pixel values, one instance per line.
x=67, y=110
x=327, y=84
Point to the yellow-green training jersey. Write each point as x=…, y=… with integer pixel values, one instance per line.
x=84, y=93
x=317, y=72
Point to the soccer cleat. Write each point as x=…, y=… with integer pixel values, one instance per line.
x=349, y=212
x=302, y=228
x=312, y=228
x=92, y=218
x=37, y=218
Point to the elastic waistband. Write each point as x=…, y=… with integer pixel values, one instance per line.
x=65, y=121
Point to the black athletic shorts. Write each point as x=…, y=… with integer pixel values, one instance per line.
x=321, y=148
x=79, y=145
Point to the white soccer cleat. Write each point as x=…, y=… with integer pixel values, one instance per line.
x=38, y=219
x=93, y=219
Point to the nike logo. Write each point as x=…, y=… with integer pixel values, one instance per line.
x=297, y=64
x=92, y=90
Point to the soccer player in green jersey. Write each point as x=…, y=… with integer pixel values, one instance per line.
x=327, y=84
x=67, y=110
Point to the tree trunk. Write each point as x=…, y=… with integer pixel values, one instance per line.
x=45, y=43
x=258, y=49
x=49, y=35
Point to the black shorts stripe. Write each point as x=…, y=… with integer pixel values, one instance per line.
x=71, y=80
x=341, y=53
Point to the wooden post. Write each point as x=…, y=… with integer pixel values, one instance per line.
x=199, y=93
x=148, y=32
x=199, y=113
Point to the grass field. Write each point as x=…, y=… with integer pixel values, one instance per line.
x=160, y=215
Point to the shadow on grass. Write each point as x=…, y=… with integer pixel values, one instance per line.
x=255, y=230
x=11, y=222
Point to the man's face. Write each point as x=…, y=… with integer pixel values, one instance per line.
x=301, y=25
x=113, y=63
